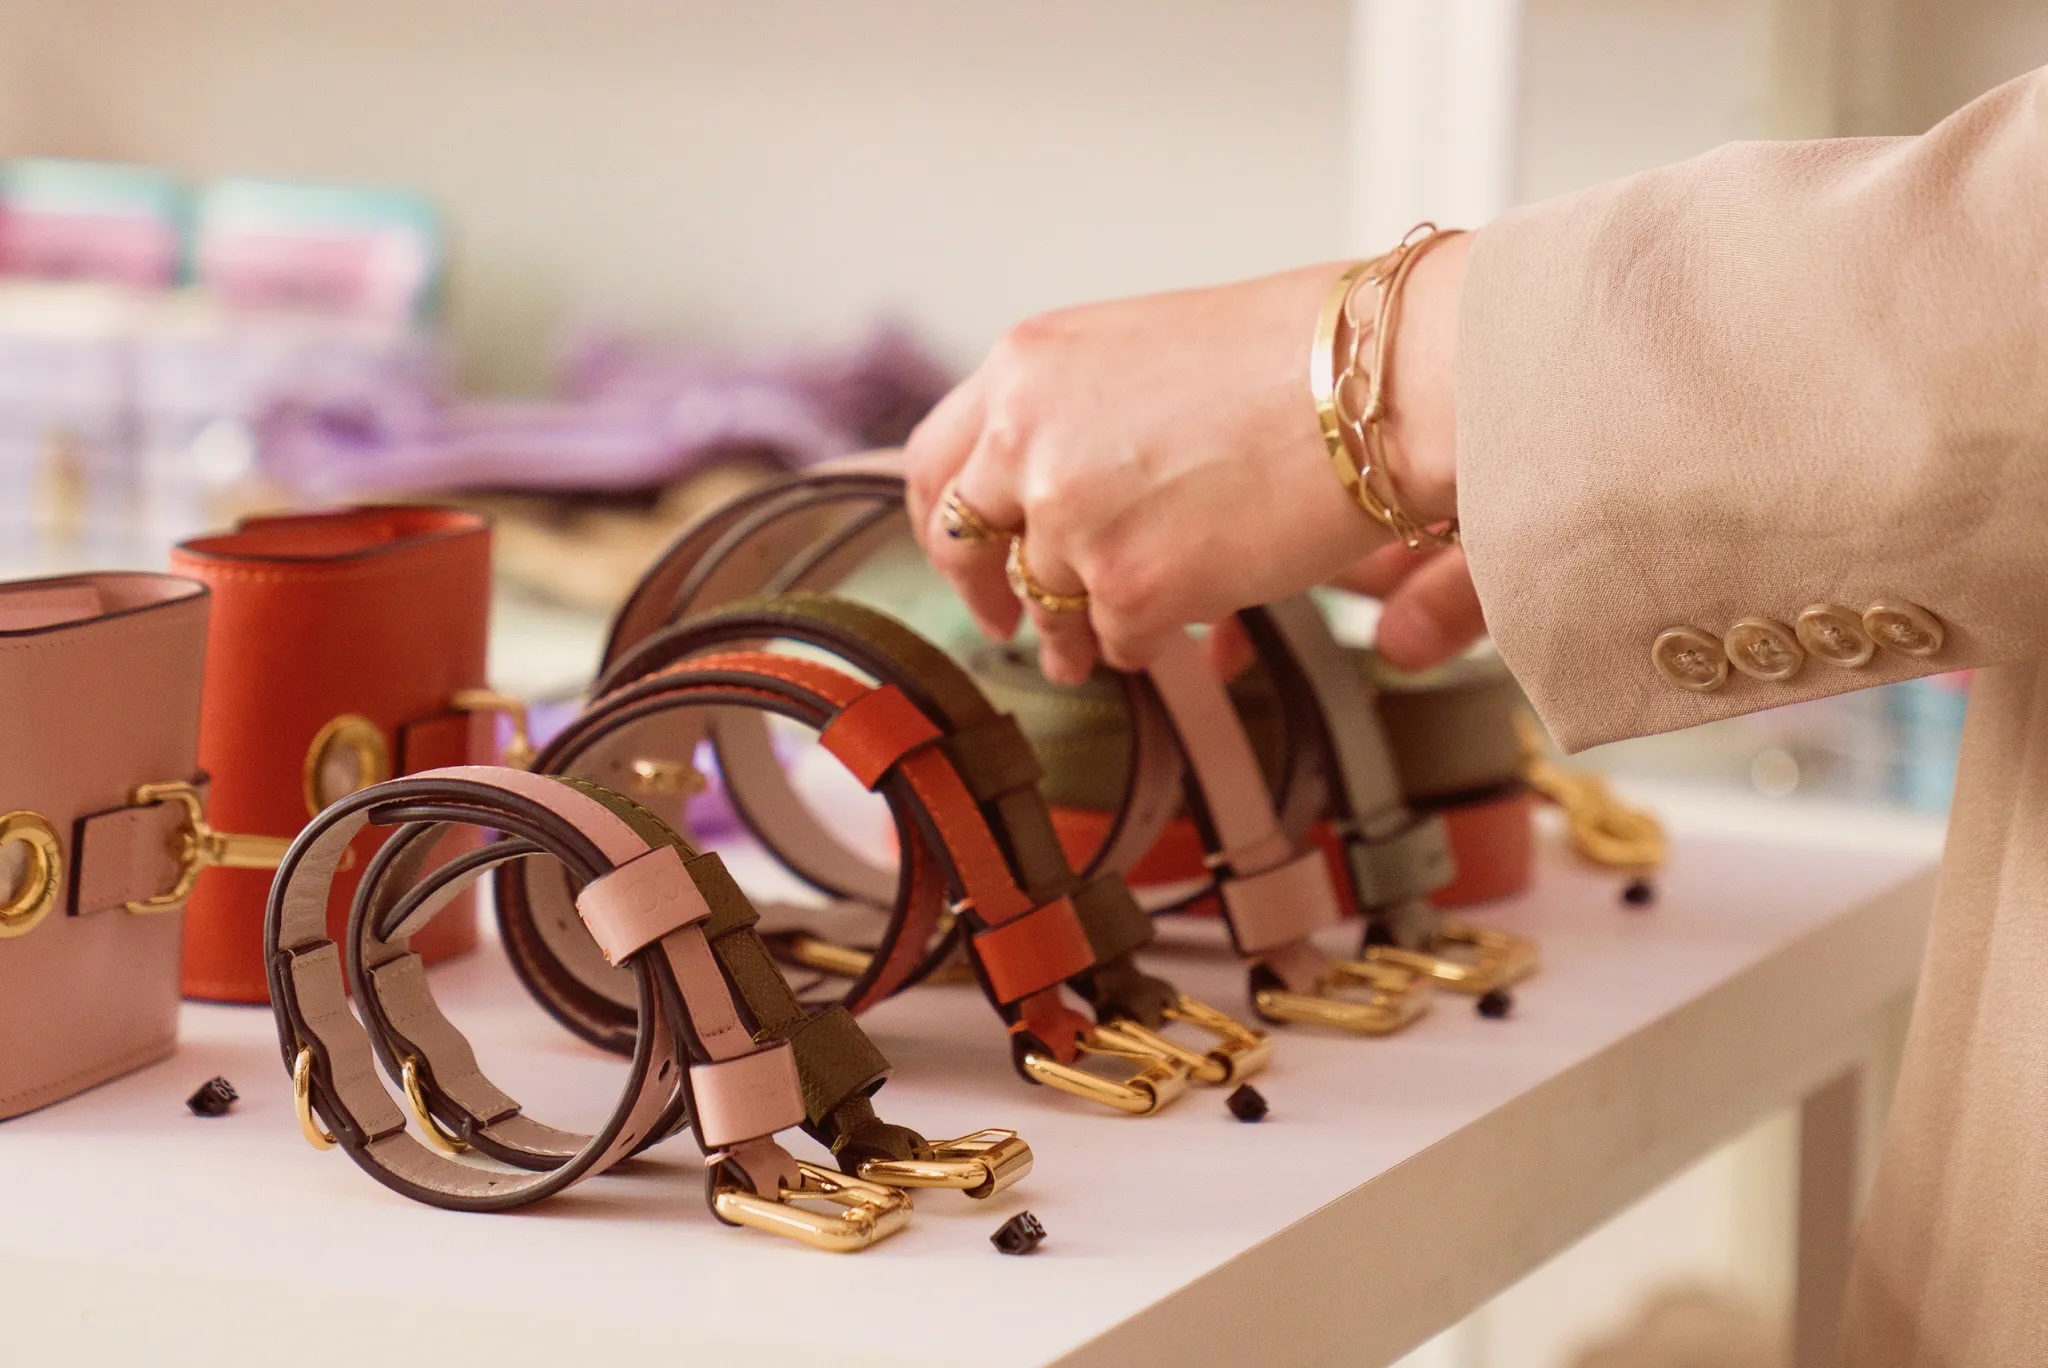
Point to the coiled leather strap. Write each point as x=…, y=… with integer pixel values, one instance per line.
x=1022, y=948
x=648, y=902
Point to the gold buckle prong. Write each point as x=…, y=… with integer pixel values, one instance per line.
x=1240, y=1051
x=197, y=846
x=979, y=1165
x=1394, y=997
x=870, y=1212
x=1502, y=959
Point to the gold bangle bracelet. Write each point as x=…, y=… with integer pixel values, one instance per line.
x=1358, y=465
x=1323, y=368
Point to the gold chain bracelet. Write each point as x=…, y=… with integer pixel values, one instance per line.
x=1354, y=426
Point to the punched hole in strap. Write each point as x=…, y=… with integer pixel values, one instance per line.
x=874, y=733
x=639, y=902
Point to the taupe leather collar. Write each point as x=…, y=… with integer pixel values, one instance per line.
x=650, y=903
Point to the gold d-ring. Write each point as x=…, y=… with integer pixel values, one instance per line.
x=302, y=1101
x=1024, y=586
x=439, y=1136
x=40, y=880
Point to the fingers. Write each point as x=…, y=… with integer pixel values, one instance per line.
x=1230, y=649
x=1432, y=614
x=987, y=484
x=1380, y=572
x=1067, y=649
x=938, y=446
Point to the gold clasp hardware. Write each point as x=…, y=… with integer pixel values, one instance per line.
x=1240, y=1052
x=979, y=1165
x=826, y=957
x=198, y=846
x=869, y=1214
x=1395, y=996
x=669, y=778
x=1159, y=1079
x=1500, y=958
x=518, y=752
x=41, y=876
x=415, y=1095
x=302, y=1101
x=809, y=951
x=1602, y=829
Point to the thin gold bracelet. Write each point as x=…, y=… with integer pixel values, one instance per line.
x=1357, y=440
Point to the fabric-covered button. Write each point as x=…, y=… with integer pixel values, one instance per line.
x=1904, y=627
x=1764, y=649
x=1690, y=658
x=1836, y=635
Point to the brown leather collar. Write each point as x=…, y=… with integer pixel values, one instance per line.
x=812, y=532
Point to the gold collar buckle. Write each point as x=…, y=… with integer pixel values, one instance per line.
x=1240, y=1050
x=197, y=846
x=979, y=1165
x=867, y=1214
x=1394, y=997
x=1495, y=959
x=1158, y=1080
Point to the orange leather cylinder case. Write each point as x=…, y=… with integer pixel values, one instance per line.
x=99, y=695
x=342, y=645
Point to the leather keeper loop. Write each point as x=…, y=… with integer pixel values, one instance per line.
x=873, y=734
x=835, y=1061
x=731, y=909
x=1111, y=918
x=746, y=1097
x=994, y=758
x=1038, y=950
x=1411, y=863
x=639, y=902
x=1282, y=905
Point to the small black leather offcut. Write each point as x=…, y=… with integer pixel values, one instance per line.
x=1019, y=1235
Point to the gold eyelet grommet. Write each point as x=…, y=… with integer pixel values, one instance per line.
x=42, y=878
x=348, y=739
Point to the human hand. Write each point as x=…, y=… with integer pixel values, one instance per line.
x=1162, y=456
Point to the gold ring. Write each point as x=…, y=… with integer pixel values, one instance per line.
x=1025, y=587
x=42, y=872
x=966, y=526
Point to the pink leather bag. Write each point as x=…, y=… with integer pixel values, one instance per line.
x=99, y=696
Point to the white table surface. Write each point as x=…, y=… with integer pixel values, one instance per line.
x=1397, y=1184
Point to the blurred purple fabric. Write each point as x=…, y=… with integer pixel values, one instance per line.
x=632, y=416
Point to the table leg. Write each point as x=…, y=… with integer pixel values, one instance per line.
x=1830, y=1154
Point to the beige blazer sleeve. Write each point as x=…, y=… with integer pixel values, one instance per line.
x=1780, y=376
